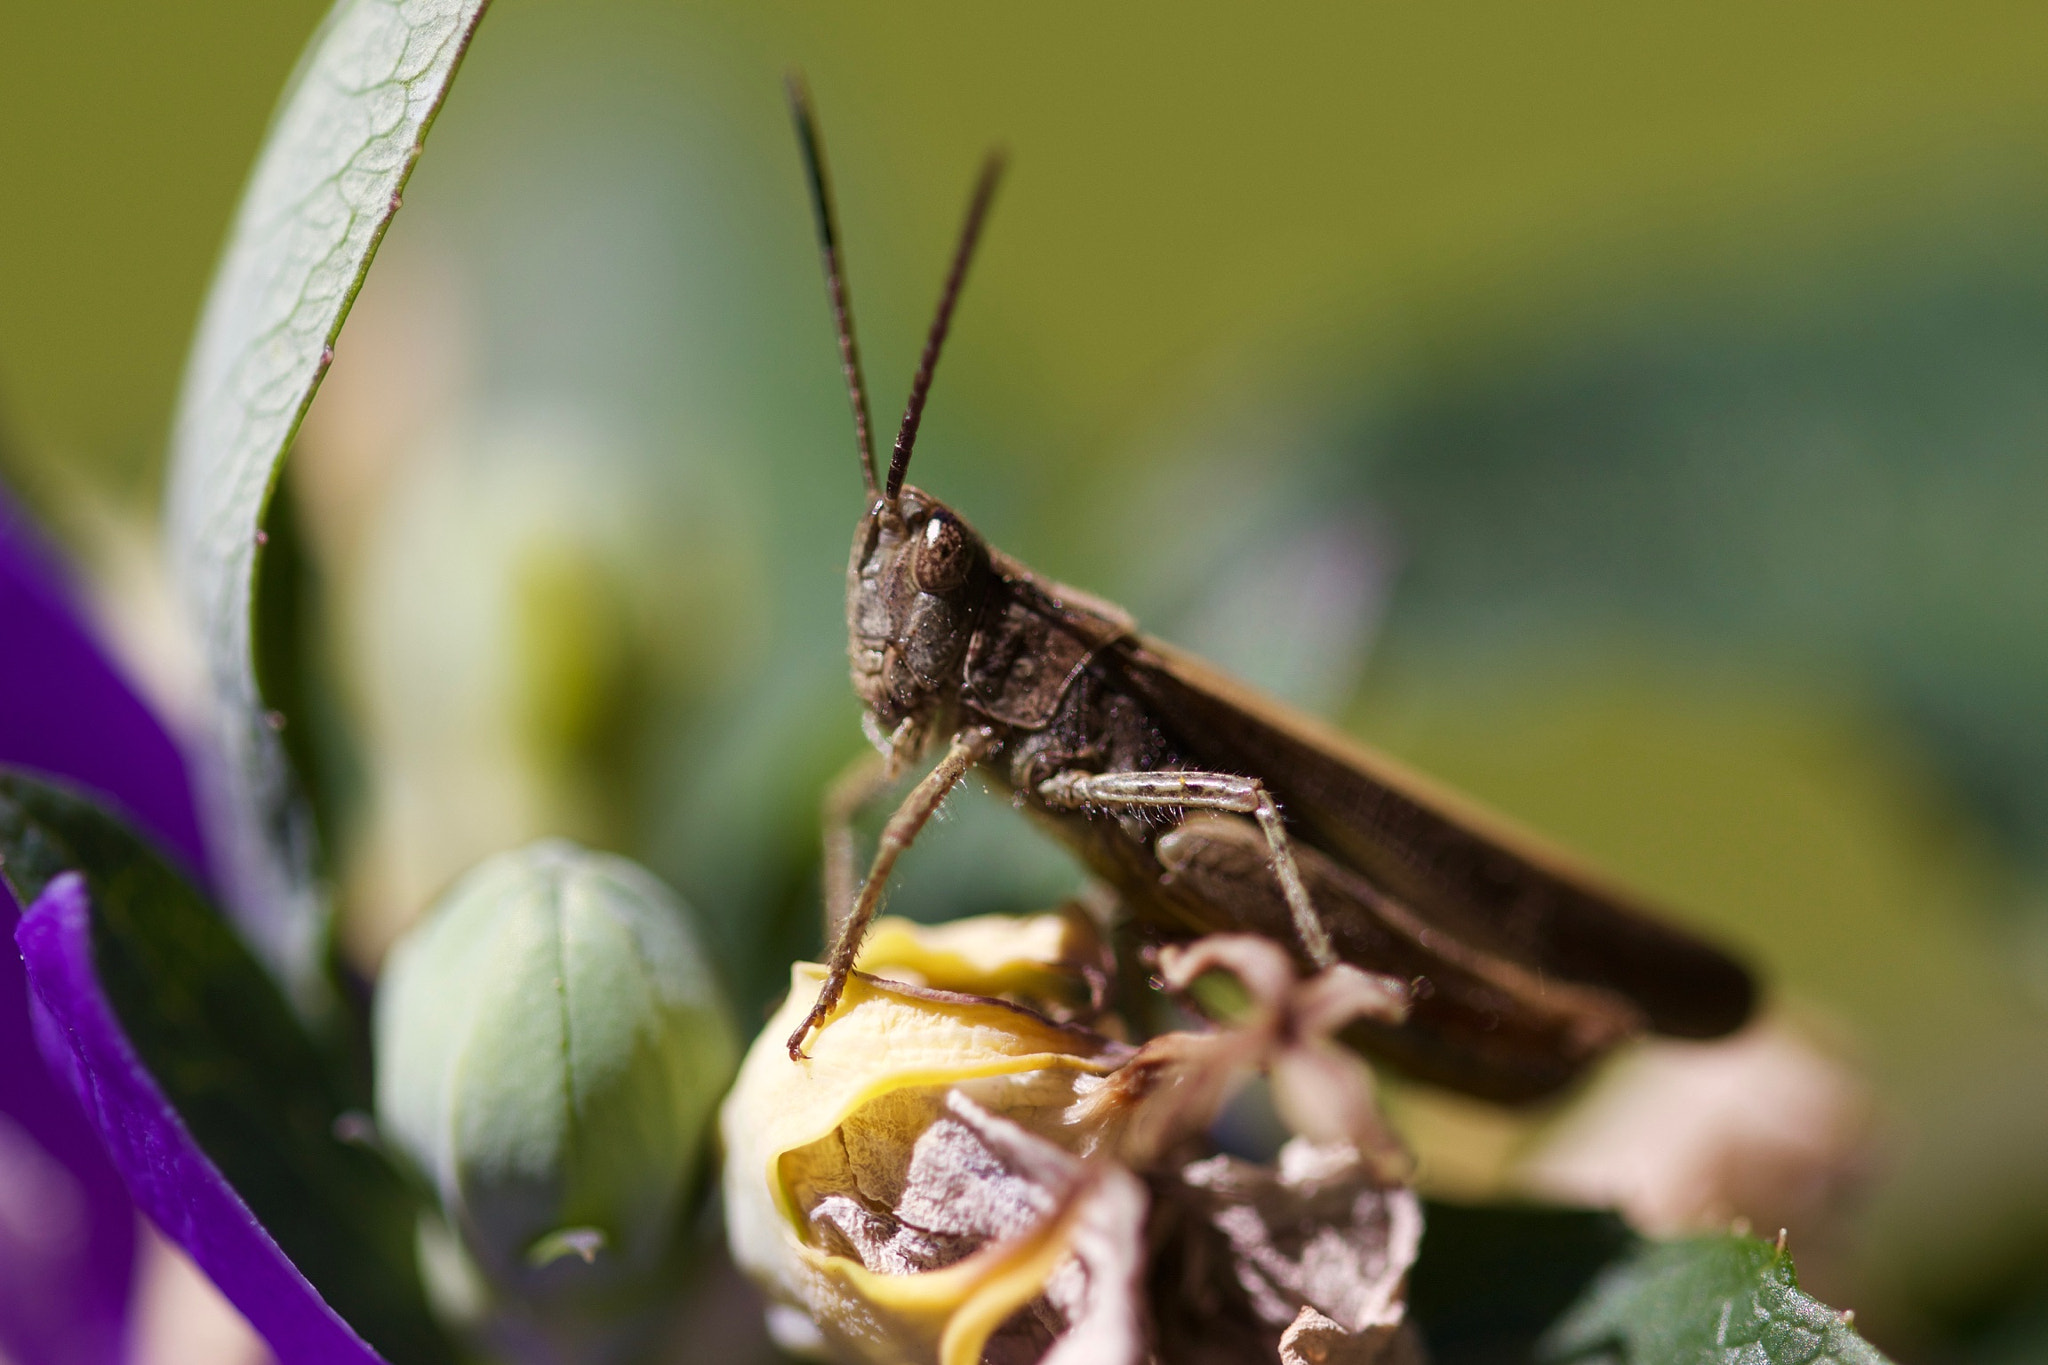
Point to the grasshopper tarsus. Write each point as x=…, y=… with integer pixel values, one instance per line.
x=828, y=1000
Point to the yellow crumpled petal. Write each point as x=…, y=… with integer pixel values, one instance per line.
x=1042, y=959
x=949, y=1173
x=884, y=1057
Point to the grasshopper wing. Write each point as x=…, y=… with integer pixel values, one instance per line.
x=1464, y=874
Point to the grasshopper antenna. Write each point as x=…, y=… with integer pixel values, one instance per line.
x=920, y=387
x=835, y=272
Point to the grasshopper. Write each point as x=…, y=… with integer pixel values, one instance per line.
x=1206, y=806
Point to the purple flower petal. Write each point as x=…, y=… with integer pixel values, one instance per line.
x=65, y=709
x=170, y=1177
x=67, y=1226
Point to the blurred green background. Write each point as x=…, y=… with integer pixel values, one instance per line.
x=1635, y=415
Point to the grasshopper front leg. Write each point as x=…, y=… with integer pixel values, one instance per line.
x=1075, y=790
x=859, y=783
x=967, y=749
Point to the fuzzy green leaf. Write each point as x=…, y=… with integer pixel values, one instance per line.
x=340, y=147
x=1706, y=1301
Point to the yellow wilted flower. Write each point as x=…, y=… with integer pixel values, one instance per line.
x=951, y=1177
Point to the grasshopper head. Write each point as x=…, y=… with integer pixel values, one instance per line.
x=914, y=593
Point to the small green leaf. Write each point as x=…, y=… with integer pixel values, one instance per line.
x=340, y=147
x=583, y=1242
x=250, y=1084
x=1706, y=1301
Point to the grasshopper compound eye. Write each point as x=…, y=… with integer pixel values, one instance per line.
x=943, y=557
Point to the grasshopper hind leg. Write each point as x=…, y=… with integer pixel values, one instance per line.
x=1140, y=791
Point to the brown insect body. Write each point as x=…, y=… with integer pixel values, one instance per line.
x=1532, y=971
x=1211, y=808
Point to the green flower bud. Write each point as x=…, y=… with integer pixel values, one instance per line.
x=550, y=1047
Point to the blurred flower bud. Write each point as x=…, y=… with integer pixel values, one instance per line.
x=550, y=1044
x=526, y=606
x=1682, y=1137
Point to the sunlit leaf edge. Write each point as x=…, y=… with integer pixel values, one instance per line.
x=340, y=147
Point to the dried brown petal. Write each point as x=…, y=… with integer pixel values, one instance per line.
x=1332, y=998
x=1262, y=965
x=1312, y=1339
x=1165, y=1096
x=1322, y=1231
x=1098, y=1293
x=1174, y=1088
